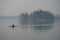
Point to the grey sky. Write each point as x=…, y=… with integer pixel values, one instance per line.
x=15, y=7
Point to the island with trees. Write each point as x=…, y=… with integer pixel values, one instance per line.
x=37, y=17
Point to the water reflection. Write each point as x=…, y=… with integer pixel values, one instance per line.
x=24, y=27
x=37, y=27
x=40, y=28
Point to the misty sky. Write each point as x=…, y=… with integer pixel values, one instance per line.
x=16, y=7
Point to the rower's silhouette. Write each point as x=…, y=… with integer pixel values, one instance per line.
x=13, y=26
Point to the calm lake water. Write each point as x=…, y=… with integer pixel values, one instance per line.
x=28, y=32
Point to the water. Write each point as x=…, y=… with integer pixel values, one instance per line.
x=27, y=32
